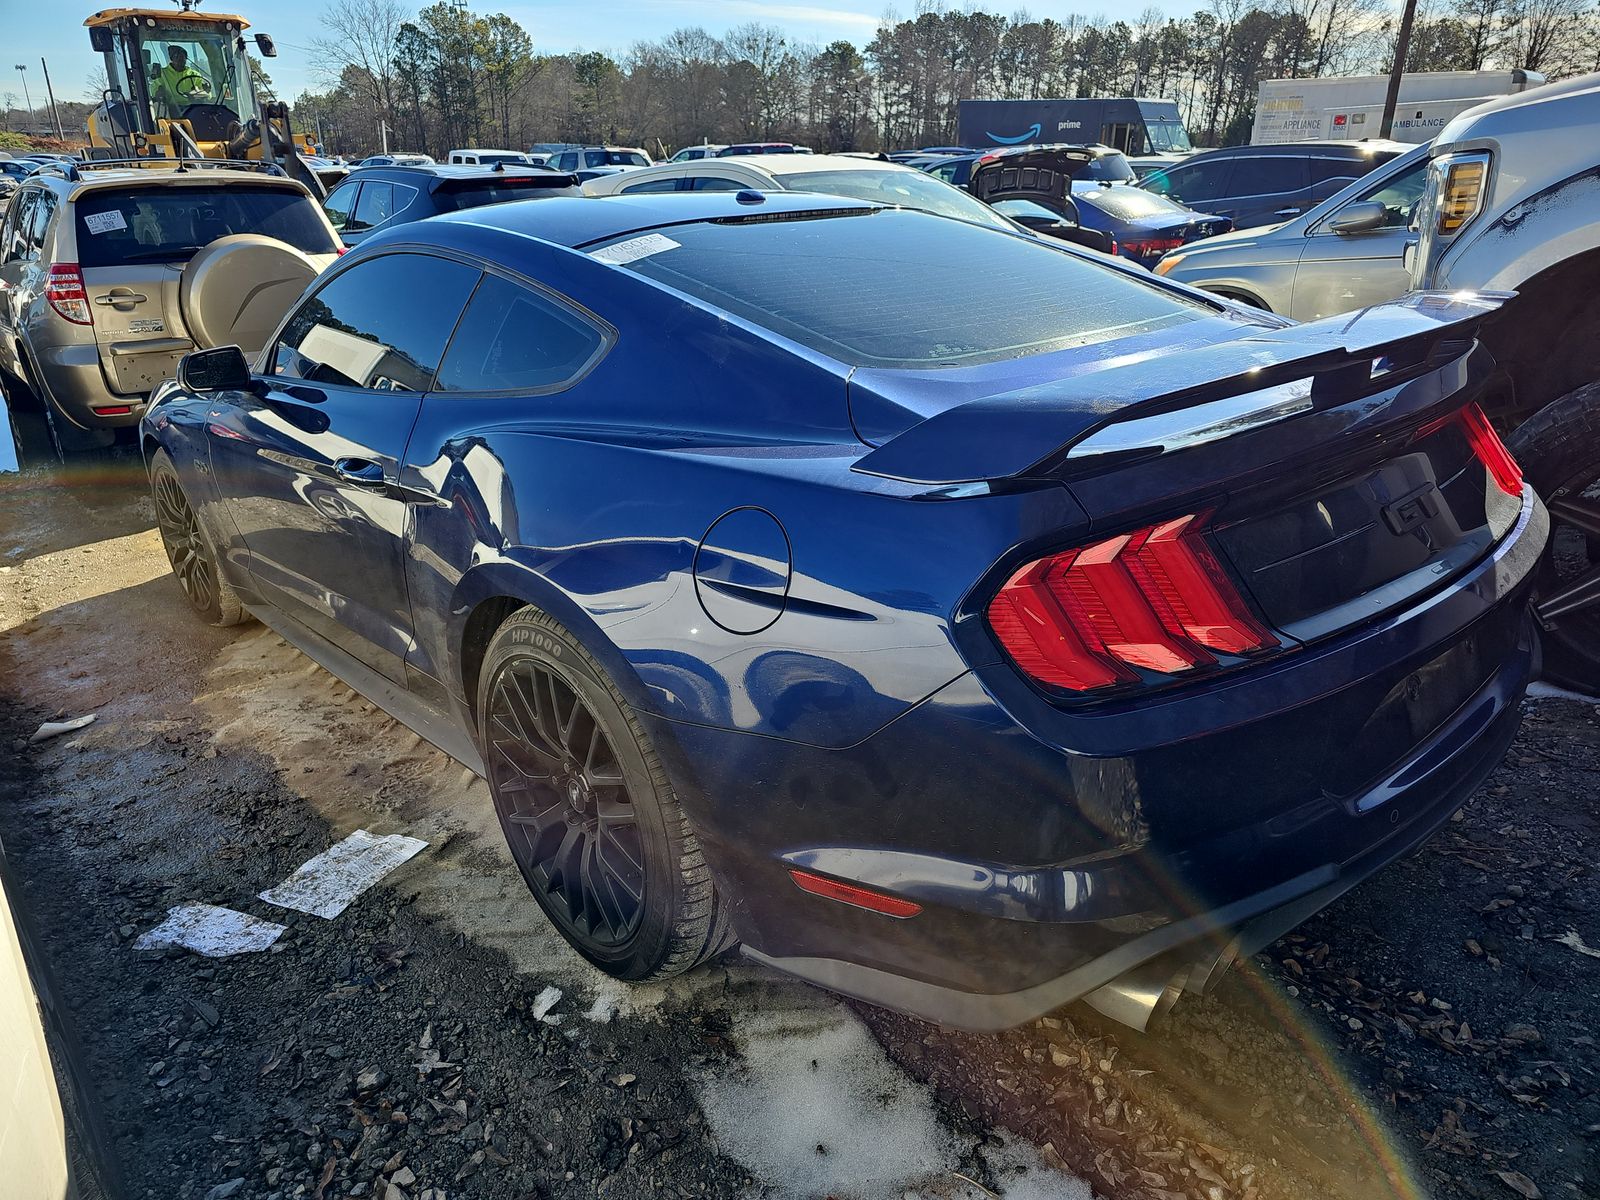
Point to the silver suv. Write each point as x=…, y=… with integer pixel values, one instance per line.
x=110, y=274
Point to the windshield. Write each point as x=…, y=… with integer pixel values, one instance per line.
x=187, y=63
x=892, y=288
x=1168, y=137
x=170, y=224
x=904, y=188
x=1128, y=204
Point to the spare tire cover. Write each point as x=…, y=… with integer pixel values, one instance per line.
x=236, y=290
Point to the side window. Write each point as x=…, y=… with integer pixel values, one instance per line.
x=515, y=339
x=651, y=185
x=339, y=204
x=1270, y=175
x=594, y=158
x=945, y=171
x=16, y=231
x=38, y=224
x=374, y=206
x=382, y=324
x=1400, y=194
x=717, y=183
x=568, y=161
x=1197, y=181
x=1325, y=169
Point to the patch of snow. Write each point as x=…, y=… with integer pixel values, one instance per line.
x=819, y=1110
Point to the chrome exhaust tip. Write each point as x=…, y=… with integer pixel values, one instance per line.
x=1137, y=997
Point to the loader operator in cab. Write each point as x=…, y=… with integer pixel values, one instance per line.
x=177, y=85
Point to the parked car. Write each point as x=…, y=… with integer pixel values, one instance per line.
x=396, y=160
x=742, y=148
x=1347, y=252
x=812, y=651
x=1145, y=225
x=592, y=162
x=377, y=197
x=1264, y=185
x=109, y=275
x=695, y=153
x=487, y=158
x=839, y=175
x=1091, y=163
x=1510, y=204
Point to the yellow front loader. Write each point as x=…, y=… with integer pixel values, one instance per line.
x=179, y=86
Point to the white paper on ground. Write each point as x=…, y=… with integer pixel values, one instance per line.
x=52, y=729
x=325, y=886
x=209, y=930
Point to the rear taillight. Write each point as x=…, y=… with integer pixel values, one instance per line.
x=65, y=291
x=1156, y=599
x=1491, y=451
x=1146, y=247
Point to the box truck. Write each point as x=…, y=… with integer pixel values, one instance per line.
x=1137, y=126
x=1350, y=108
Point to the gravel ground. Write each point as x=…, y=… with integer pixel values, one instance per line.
x=1431, y=1034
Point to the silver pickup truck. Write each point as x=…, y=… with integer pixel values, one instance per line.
x=1506, y=199
x=1512, y=203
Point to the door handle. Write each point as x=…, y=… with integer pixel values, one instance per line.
x=361, y=472
x=120, y=296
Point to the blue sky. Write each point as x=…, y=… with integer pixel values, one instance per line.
x=54, y=28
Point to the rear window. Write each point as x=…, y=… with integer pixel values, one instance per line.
x=1111, y=168
x=894, y=288
x=474, y=192
x=171, y=224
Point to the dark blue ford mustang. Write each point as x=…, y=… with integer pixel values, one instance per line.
x=969, y=650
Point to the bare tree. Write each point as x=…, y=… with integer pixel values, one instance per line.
x=361, y=34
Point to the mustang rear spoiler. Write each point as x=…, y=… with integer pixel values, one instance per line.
x=1166, y=402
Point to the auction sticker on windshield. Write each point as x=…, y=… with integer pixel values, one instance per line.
x=634, y=249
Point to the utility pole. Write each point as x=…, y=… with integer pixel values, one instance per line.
x=383, y=132
x=23, y=71
x=1402, y=51
x=55, y=112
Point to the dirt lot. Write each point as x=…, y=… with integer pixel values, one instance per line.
x=1431, y=1035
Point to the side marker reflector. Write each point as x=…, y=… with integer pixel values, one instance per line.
x=857, y=897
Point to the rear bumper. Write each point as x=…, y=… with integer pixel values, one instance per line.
x=1053, y=852
x=76, y=387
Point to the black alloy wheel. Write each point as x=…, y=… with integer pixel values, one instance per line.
x=566, y=805
x=189, y=551
x=180, y=533
x=587, y=809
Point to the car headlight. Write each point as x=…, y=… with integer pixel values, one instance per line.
x=1465, y=181
x=1168, y=262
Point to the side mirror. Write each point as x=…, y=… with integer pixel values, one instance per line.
x=1360, y=218
x=265, y=44
x=100, y=39
x=217, y=370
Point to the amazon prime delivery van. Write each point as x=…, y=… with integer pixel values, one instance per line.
x=1351, y=108
x=1135, y=126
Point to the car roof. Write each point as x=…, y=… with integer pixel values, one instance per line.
x=400, y=171
x=788, y=164
x=91, y=178
x=578, y=221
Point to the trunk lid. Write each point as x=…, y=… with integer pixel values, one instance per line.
x=1043, y=175
x=1335, y=478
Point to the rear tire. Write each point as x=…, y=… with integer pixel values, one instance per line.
x=189, y=549
x=587, y=809
x=1559, y=451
